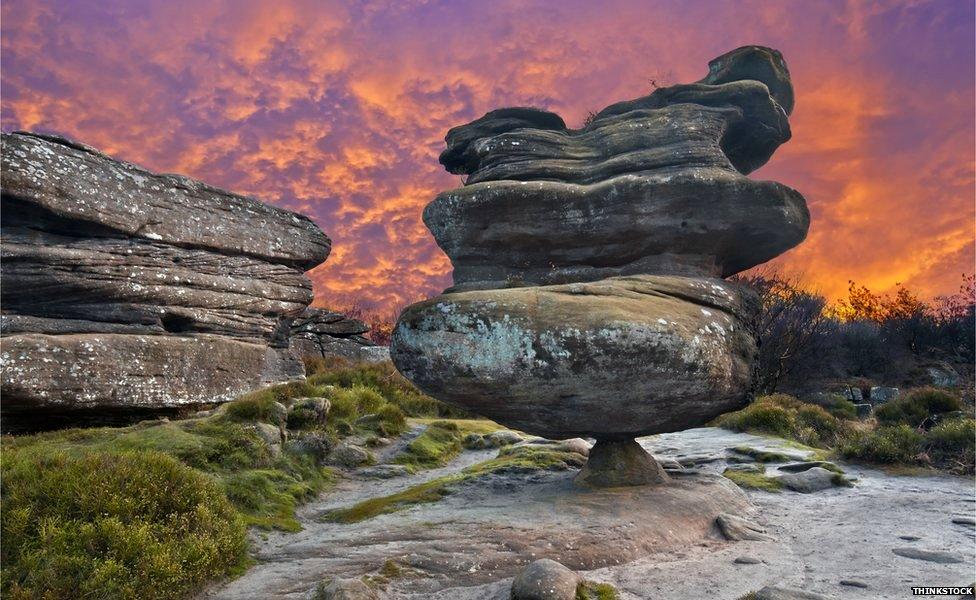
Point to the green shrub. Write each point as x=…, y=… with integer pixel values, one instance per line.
x=952, y=445
x=112, y=525
x=257, y=405
x=393, y=420
x=915, y=406
x=787, y=417
x=900, y=444
x=383, y=378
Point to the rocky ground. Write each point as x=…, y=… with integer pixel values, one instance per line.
x=876, y=539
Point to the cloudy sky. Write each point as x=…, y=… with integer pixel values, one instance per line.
x=339, y=109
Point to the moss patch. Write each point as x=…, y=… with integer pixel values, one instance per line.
x=755, y=481
x=131, y=524
x=590, y=590
x=435, y=447
x=785, y=416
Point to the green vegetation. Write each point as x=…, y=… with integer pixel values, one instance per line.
x=763, y=456
x=384, y=379
x=590, y=590
x=921, y=428
x=949, y=446
x=753, y=480
x=128, y=524
x=435, y=447
x=787, y=417
x=522, y=459
x=916, y=406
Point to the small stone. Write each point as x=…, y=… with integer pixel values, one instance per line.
x=964, y=521
x=853, y=583
x=279, y=414
x=270, y=435
x=909, y=538
x=943, y=558
x=345, y=589
x=351, y=456
x=545, y=579
x=812, y=480
x=307, y=412
x=747, y=560
x=775, y=592
x=620, y=463
x=807, y=465
x=315, y=444
x=504, y=437
x=738, y=528
x=385, y=471
x=474, y=441
x=882, y=395
x=863, y=410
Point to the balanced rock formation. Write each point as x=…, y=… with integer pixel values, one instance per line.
x=588, y=264
x=320, y=332
x=128, y=289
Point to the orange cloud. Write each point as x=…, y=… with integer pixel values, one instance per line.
x=338, y=109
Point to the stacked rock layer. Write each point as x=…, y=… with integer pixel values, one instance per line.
x=124, y=288
x=588, y=264
x=320, y=333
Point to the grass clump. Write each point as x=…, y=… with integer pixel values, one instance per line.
x=950, y=446
x=258, y=405
x=787, y=417
x=435, y=447
x=591, y=590
x=916, y=407
x=95, y=524
x=386, y=381
x=753, y=480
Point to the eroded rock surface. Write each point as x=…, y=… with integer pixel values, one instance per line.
x=587, y=297
x=125, y=288
x=320, y=333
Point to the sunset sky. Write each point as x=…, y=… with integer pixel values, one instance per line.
x=339, y=110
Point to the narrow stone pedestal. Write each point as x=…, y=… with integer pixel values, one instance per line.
x=620, y=463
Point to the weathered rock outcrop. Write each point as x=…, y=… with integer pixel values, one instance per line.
x=126, y=288
x=587, y=297
x=320, y=332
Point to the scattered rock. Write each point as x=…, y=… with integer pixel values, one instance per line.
x=807, y=465
x=504, y=437
x=909, y=538
x=170, y=292
x=386, y=471
x=863, y=410
x=882, y=395
x=747, y=560
x=853, y=394
x=308, y=412
x=943, y=376
x=270, y=434
x=738, y=528
x=853, y=583
x=927, y=555
x=964, y=521
x=765, y=455
x=746, y=468
x=279, y=414
x=320, y=332
x=775, y=592
x=620, y=463
x=316, y=444
x=348, y=455
x=345, y=589
x=545, y=579
x=813, y=479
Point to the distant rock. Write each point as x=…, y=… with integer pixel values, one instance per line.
x=943, y=375
x=854, y=583
x=863, y=410
x=747, y=560
x=127, y=289
x=545, y=579
x=320, y=332
x=883, y=395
